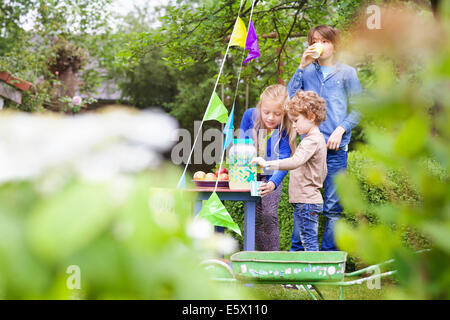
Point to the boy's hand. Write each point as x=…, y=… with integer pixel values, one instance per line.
x=306, y=58
x=266, y=188
x=335, y=138
x=259, y=161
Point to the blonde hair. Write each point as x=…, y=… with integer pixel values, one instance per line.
x=278, y=94
x=307, y=103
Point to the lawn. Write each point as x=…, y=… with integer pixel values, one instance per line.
x=356, y=292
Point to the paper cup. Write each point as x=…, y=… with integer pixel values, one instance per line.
x=254, y=185
x=318, y=50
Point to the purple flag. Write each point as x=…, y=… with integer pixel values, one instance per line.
x=251, y=43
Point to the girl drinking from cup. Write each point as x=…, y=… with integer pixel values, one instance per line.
x=337, y=83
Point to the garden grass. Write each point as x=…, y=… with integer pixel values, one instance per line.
x=356, y=292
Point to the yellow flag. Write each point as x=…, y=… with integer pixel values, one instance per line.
x=239, y=34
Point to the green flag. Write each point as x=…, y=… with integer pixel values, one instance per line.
x=216, y=110
x=215, y=212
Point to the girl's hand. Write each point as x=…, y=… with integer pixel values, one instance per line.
x=259, y=161
x=306, y=58
x=335, y=138
x=266, y=188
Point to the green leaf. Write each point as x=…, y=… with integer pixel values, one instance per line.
x=346, y=237
x=412, y=137
x=440, y=233
x=351, y=195
x=68, y=221
x=21, y=274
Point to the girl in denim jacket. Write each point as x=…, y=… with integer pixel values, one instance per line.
x=337, y=83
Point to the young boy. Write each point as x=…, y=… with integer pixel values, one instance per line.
x=336, y=83
x=308, y=165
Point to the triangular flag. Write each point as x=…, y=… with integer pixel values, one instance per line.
x=251, y=43
x=216, y=110
x=239, y=34
x=228, y=130
x=215, y=212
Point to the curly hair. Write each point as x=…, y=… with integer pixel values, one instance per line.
x=307, y=103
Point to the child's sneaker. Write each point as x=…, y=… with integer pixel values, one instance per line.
x=290, y=286
x=310, y=287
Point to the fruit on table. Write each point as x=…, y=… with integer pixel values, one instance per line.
x=199, y=175
x=223, y=176
x=222, y=170
x=210, y=177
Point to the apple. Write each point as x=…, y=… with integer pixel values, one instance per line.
x=199, y=175
x=223, y=177
x=222, y=170
x=210, y=177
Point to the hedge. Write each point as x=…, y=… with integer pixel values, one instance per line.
x=398, y=188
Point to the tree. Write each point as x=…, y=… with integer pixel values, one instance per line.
x=146, y=81
x=405, y=66
x=194, y=37
x=54, y=51
x=11, y=13
x=406, y=134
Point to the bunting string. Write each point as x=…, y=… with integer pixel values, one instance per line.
x=209, y=104
x=213, y=210
x=235, y=96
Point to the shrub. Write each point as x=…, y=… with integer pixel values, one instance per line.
x=358, y=163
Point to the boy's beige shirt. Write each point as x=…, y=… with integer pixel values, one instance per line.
x=308, y=168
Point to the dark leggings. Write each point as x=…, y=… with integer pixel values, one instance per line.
x=267, y=236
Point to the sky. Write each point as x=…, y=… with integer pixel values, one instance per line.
x=125, y=6
x=121, y=7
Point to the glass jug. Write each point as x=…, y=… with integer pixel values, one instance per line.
x=241, y=172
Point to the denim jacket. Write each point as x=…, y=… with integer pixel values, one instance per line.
x=337, y=89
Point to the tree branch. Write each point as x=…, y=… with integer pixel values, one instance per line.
x=292, y=27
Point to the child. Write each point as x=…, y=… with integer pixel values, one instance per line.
x=336, y=83
x=308, y=164
x=274, y=137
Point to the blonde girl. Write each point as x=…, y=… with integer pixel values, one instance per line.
x=274, y=137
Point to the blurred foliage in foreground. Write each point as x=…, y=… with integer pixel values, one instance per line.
x=124, y=234
x=125, y=244
x=406, y=120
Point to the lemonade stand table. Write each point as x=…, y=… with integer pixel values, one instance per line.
x=233, y=195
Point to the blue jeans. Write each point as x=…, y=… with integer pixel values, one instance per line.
x=306, y=219
x=296, y=242
x=336, y=162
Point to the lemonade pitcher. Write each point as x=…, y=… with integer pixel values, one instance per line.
x=241, y=172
